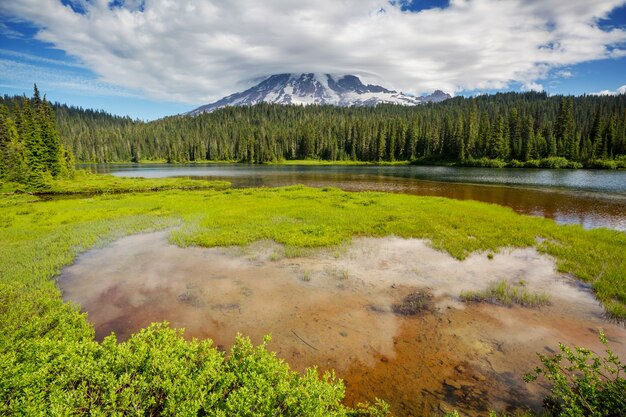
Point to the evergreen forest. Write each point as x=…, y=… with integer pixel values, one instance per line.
x=515, y=129
x=31, y=150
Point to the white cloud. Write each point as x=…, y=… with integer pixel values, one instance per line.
x=22, y=75
x=198, y=51
x=35, y=58
x=619, y=90
x=564, y=74
x=7, y=32
x=532, y=86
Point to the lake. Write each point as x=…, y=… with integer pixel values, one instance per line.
x=591, y=198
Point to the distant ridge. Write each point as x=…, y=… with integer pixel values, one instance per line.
x=310, y=88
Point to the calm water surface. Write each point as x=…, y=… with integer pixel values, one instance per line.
x=591, y=198
x=339, y=311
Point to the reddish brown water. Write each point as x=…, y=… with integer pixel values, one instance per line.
x=336, y=310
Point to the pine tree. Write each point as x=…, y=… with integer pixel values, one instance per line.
x=496, y=147
x=484, y=131
x=380, y=145
x=471, y=131
x=515, y=135
x=459, y=136
x=411, y=142
x=564, y=129
x=51, y=142
x=528, y=142
x=38, y=175
x=595, y=136
x=12, y=165
x=135, y=153
x=541, y=151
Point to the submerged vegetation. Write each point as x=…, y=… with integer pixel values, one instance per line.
x=506, y=293
x=412, y=304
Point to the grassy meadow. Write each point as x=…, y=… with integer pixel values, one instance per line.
x=50, y=363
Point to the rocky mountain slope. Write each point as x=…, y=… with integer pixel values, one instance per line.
x=303, y=89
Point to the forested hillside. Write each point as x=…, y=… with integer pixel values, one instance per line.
x=507, y=127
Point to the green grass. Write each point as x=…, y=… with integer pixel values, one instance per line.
x=85, y=182
x=43, y=339
x=301, y=218
x=507, y=294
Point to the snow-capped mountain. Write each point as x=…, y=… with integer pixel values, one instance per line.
x=345, y=90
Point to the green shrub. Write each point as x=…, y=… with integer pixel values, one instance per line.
x=516, y=164
x=157, y=372
x=532, y=163
x=558, y=162
x=603, y=164
x=583, y=383
x=484, y=162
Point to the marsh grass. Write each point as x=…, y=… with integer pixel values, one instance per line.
x=275, y=257
x=307, y=276
x=506, y=294
x=39, y=233
x=339, y=273
x=88, y=183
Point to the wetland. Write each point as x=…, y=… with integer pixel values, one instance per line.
x=591, y=198
x=341, y=309
x=366, y=284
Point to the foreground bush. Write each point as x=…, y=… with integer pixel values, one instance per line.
x=583, y=383
x=157, y=372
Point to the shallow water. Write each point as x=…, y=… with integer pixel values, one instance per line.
x=591, y=198
x=335, y=309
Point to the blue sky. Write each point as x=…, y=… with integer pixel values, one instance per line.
x=149, y=59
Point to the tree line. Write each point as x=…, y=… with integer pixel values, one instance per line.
x=31, y=151
x=508, y=127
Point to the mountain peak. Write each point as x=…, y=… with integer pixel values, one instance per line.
x=315, y=88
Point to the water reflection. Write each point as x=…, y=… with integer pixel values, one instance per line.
x=338, y=311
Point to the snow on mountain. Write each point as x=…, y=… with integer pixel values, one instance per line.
x=304, y=89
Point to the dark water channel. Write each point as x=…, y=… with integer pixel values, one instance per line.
x=591, y=198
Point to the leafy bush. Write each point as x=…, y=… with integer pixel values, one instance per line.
x=516, y=164
x=602, y=164
x=157, y=372
x=617, y=163
x=557, y=162
x=584, y=384
x=484, y=162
